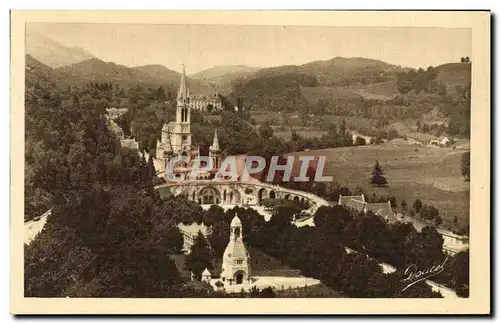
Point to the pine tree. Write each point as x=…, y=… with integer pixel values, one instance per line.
x=160, y=94
x=151, y=166
x=200, y=256
x=378, y=178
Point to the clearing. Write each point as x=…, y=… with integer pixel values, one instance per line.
x=413, y=171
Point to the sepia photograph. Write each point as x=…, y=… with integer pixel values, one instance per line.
x=231, y=162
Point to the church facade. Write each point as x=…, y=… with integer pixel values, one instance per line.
x=176, y=138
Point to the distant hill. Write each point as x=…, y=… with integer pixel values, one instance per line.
x=38, y=73
x=224, y=70
x=222, y=77
x=159, y=72
x=280, y=88
x=338, y=71
x=53, y=53
x=453, y=74
x=95, y=70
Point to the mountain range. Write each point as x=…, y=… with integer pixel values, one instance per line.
x=53, y=53
x=339, y=76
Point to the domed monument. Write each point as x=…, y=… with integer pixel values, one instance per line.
x=235, y=261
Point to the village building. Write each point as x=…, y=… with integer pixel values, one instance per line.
x=382, y=209
x=441, y=142
x=206, y=103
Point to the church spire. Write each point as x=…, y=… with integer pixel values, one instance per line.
x=183, y=90
x=215, y=144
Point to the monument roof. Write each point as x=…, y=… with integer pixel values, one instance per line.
x=236, y=221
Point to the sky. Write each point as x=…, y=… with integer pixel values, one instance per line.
x=200, y=47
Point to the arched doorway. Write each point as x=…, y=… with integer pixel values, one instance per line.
x=238, y=277
x=262, y=194
x=287, y=196
x=209, y=196
x=272, y=194
x=296, y=198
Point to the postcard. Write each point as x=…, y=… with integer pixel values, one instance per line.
x=250, y=162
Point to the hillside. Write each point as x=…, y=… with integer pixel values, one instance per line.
x=53, y=53
x=357, y=87
x=281, y=88
x=453, y=74
x=38, y=73
x=159, y=72
x=221, y=78
x=224, y=70
x=95, y=70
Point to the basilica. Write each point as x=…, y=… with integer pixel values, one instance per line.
x=176, y=139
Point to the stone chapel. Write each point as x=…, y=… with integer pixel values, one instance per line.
x=236, y=260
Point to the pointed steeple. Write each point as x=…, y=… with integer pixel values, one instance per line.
x=215, y=144
x=183, y=90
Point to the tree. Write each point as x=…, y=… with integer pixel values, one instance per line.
x=174, y=239
x=460, y=268
x=462, y=59
x=265, y=131
x=417, y=205
x=200, y=256
x=332, y=219
x=467, y=59
x=465, y=166
x=438, y=220
x=378, y=179
x=160, y=94
x=429, y=212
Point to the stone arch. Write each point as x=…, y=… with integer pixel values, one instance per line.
x=239, y=277
x=287, y=196
x=250, y=191
x=262, y=194
x=272, y=194
x=209, y=195
x=296, y=198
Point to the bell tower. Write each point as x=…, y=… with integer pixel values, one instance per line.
x=215, y=152
x=236, y=260
x=181, y=129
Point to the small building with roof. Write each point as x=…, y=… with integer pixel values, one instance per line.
x=235, y=261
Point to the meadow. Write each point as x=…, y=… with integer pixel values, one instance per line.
x=413, y=171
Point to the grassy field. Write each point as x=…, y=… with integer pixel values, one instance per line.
x=378, y=91
x=304, y=132
x=413, y=171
